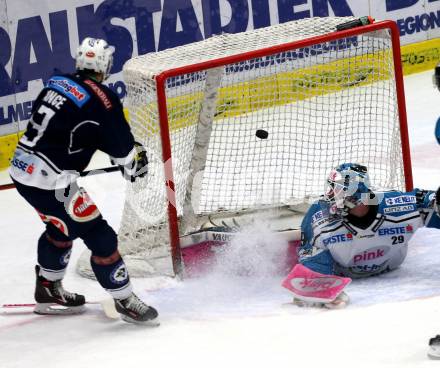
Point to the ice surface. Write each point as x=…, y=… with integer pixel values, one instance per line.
x=238, y=315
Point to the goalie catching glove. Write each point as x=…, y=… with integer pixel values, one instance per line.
x=135, y=165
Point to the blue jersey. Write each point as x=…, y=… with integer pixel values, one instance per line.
x=340, y=245
x=72, y=117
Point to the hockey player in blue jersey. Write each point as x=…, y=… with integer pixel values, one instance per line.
x=354, y=232
x=73, y=116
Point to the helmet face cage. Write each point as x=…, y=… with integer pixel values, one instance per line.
x=346, y=187
x=96, y=55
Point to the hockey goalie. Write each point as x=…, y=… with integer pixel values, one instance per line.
x=355, y=232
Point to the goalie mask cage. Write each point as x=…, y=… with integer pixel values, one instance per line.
x=324, y=97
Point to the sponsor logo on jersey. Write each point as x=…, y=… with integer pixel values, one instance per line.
x=23, y=166
x=371, y=254
x=100, y=93
x=339, y=238
x=317, y=216
x=321, y=222
x=360, y=236
x=396, y=209
x=404, y=199
x=368, y=269
x=119, y=275
x=72, y=90
x=395, y=230
x=81, y=207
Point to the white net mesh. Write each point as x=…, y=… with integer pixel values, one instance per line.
x=321, y=105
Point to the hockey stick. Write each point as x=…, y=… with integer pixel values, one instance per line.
x=103, y=170
x=29, y=305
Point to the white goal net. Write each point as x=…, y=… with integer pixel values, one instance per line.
x=323, y=97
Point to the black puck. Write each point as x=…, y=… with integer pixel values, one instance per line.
x=261, y=133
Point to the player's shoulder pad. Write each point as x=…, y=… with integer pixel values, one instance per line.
x=396, y=203
x=317, y=215
x=105, y=95
x=68, y=86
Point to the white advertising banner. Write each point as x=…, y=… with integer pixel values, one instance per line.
x=39, y=37
x=418, y=20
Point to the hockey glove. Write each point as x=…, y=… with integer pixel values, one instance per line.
x=428, y=199
x=135, y=165
x=421, y=197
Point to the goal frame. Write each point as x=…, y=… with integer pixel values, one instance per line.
x=164, y=124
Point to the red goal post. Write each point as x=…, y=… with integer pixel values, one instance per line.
x=324, y=96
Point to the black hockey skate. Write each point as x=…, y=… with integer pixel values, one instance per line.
x=134, y=310
x=434, y=347
x=51, y=298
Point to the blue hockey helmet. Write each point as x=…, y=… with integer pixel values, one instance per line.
x=347, y=186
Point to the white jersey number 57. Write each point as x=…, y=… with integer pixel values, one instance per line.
x=37, y=125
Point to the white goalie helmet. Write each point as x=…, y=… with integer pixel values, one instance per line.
x=347, y=186
x=95, y=54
